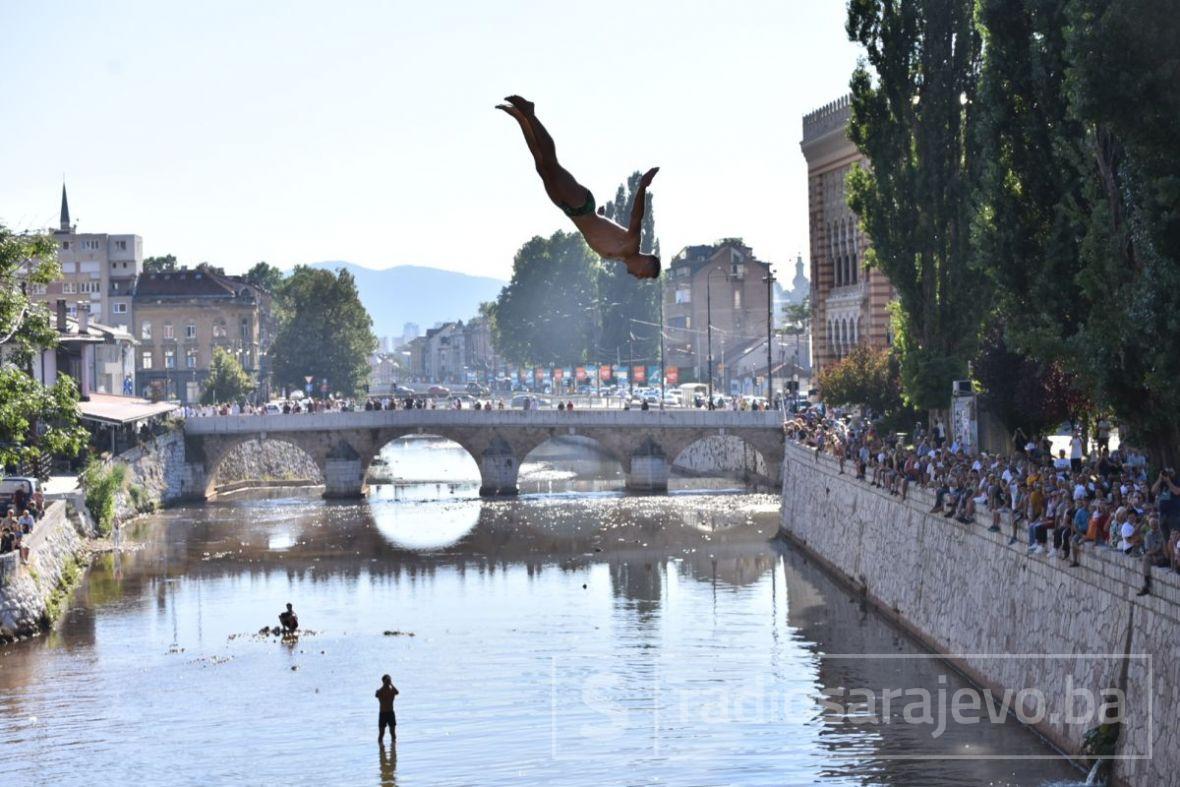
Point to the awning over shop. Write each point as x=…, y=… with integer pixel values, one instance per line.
x=121, y=410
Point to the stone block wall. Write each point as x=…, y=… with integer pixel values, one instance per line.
x=964, y=590
x=724, y=454
x=26, y=591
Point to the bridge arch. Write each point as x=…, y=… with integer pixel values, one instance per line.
x=454, y=464
x=572, y=457
x=260, y=460
x=725, y=454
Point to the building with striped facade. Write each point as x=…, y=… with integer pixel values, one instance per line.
x=849, y=302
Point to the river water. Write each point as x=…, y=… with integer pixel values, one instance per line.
x=575, y=635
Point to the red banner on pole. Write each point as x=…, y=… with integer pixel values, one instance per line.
x=639, y=374
x=558, y=373
x=604, y=372
x=580, y=373
x=672, y=375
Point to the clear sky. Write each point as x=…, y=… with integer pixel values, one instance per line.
x=363, y=130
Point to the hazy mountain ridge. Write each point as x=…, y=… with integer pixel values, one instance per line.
x=415, y=293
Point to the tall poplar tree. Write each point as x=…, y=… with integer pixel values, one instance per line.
x=912, y=111
x=1122, y=78
x=629, y=307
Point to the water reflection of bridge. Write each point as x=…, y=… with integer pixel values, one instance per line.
x=343, y=445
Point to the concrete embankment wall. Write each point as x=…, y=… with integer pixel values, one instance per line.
x=964, y=590
x=27, y=592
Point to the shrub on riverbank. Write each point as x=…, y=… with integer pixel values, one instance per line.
x=102, y=483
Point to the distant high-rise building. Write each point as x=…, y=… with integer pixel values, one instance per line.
x=410, y=331
x=97, y=268
x=849, y=302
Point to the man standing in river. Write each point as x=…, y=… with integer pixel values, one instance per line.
x=385, y=715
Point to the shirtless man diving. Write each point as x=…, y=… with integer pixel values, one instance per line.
x=608, y=239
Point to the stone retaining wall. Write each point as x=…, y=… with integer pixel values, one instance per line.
x=57, y=541
x=724, y=454
x=269, y=460
x=964, y=590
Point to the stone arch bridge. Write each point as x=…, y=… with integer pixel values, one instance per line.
x=342, y=445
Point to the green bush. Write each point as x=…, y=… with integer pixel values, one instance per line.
x=101, y=484
x=141, y=498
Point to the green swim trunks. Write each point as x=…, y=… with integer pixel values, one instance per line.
x=586, y=209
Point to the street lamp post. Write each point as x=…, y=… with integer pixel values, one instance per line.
x=709, y=329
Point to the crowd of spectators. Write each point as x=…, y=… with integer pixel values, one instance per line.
x=1091, y=497
x=19, y=522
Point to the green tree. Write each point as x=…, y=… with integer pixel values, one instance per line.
x=324, y=331
x=1026, y=238
x=912, y=107
x=34, y=420
x=227, y=382
x=548, y=312
x=160, y=264
x=867, y=377
x=629, y=308
x=797, y=317
x=264, y=275
x=1122, y=86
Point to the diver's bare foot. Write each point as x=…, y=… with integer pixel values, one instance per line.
x=523, y=105
x=511, y=110
x=648, y=176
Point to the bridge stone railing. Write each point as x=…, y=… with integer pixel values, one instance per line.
x=551, y=419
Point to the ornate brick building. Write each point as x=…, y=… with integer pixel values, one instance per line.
x=849, y=303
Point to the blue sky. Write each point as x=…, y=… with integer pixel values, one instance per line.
x=362, y=130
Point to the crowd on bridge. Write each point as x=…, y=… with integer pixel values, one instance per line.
x=1092, y=497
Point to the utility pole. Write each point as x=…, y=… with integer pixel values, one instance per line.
x=663, y=393
x=709, y=328
x=630, y=360
x=769, y=333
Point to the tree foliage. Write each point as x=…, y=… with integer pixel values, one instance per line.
x=324, y=331
x=867, y=377
x=1023, y=391
x=912, y=108
x=227, y=381
x=1078, y=207
x=263, y=274
x=35, y=420
x=162, y=264
x=549, y=310
x=25, y=326
x=1122, y=85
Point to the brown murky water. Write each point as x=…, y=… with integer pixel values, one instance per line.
x=575, y=636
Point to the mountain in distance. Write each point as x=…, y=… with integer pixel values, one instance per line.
x=413, y=293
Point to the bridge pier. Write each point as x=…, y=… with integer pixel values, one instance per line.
x=344, y=472
x=648, y=470
x=498, y=470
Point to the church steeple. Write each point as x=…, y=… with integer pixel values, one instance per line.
x=65, y=210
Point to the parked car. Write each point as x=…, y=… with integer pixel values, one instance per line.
x=274, y=408
x=475, y=389
x=9, y=486
x=401, y=391
x=439, y=390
